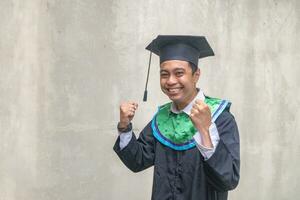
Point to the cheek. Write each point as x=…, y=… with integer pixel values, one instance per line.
x=162, y=83
x=183, y=81
x=188, y=83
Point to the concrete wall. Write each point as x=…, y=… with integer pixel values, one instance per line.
x=65, y=65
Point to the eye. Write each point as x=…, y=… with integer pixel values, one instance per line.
x=164, y=75
x=179, y=73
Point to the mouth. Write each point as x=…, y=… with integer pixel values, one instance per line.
x=173, y=91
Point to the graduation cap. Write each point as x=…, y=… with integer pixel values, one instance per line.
x=178, y=47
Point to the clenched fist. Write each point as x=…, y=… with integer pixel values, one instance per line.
x=127, y=111
x=201, y=118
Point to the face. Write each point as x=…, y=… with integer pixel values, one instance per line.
x=178, y=82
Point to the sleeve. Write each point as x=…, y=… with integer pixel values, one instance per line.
x=125, y=139
x=214, y=136
x=223, y=167
x=139, y=153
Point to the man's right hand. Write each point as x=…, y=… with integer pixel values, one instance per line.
x=127, y=111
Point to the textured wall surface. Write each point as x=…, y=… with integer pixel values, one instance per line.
x=65, y=65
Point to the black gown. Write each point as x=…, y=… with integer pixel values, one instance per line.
x=185, y=175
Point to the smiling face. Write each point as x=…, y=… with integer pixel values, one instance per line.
x=178, y=82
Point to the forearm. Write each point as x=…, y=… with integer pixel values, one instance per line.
x=208, y=147
x=137, y=154
x=125, y=139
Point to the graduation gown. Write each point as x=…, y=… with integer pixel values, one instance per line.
x=185, y=175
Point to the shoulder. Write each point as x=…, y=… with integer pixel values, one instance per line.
x=217, y=107
x=225, y=116
x=165, y=106
x=163, y=109
x=225, y=120
x=227, y=126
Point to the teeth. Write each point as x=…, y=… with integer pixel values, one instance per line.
x=174, y=90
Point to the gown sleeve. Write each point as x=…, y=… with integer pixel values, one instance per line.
x=139, y=153
x=222, y=169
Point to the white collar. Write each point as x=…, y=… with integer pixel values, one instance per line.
x=188, y=108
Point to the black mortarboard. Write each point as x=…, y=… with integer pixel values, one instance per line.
x=178, y=47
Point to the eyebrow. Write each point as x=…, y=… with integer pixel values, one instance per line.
x=176, y=69
x=179, y=68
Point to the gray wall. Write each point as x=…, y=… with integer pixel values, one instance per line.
x=65, y=65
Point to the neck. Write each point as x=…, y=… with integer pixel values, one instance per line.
x=182, y=105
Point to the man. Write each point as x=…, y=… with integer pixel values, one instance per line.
x=193, y=141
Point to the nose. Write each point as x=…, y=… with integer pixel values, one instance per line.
x=171, y=80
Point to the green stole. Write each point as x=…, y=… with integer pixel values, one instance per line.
x=177, y=130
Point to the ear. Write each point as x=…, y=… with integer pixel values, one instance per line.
x=196, y=75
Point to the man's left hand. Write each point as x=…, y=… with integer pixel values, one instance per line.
x=201, y=118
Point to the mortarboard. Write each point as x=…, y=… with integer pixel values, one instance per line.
x=178, y=47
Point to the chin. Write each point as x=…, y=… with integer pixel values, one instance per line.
x=175, y=98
